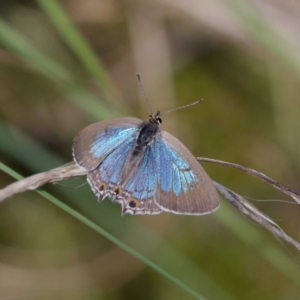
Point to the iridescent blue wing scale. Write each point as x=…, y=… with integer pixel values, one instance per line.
x=136, y=193
x=103, y=149
x=96, y=141
x=183, y=187
x=144, y=169
x=141, y=187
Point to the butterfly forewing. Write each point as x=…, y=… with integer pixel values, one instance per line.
x=183, y=186
x=97, y=140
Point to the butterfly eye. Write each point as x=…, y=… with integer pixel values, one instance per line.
x=159, y=120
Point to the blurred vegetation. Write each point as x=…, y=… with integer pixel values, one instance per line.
x=65, y=64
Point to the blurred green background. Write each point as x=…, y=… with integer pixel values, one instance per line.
x=66, y=64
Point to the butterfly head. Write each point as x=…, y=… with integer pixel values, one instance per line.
x=155, y=118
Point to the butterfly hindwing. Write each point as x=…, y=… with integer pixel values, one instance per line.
x=103, y=149
x=142, y=186
x=135, y=194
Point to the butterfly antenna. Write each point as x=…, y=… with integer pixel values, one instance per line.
x=142, y=88
x=184, y=106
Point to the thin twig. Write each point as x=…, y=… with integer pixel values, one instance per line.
x=277, y=185
x=72, y=170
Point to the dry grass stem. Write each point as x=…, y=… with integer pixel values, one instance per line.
x=71, y=170
x=35, y=181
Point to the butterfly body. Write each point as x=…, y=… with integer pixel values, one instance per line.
x=144, y=139
x=143, y=168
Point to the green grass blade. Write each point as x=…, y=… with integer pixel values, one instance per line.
x=107, y=235
x=19, y=45
x=14, y=42
x=37, y=158
x=229, y=218
x=76, y=42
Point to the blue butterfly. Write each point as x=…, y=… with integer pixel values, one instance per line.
x=143, y=168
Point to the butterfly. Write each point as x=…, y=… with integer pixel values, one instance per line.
x=145, y=169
